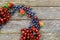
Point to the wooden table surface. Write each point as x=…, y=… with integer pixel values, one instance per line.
x=46, y=10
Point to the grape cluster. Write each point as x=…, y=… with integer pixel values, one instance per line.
x=30, y=34
x=5, y=14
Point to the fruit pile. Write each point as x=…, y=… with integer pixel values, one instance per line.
x=5, y=14
x=30, y=33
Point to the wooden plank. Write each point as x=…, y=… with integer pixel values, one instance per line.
x=9, y=36
x=35, y=2
x=50, y=36
x=42, y=13
x=14, y=27
x=45, y=36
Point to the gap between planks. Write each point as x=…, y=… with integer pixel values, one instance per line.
x=11, y=32
x=29, y=19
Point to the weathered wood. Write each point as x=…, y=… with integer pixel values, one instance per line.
x=45, y=36
x=45, y=9
x=15, y=26
x=34, y=2
x=42, y=13
x=9, y=36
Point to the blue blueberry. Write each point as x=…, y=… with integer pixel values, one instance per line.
x=12, y=12
x=28, y=12
x=32, y=13
x=16, y=7
x=25, y=8
x=29, y=27
x=0, y=27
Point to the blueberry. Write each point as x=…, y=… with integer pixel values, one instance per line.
x=39, y=28
x=0, y=27
x=28, y=12
x=29, y=27
x=12, y=12
x=25, y=8
x=32, y=14
x=16, y=7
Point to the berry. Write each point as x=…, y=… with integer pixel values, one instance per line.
x=27, y=6
x=1, y=9
x=0, y=27
x=10, y=5
x=29, y=16
x=4, y=15
x=41, y=23
x=22, y=11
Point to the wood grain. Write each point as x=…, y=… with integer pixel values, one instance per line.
x=41, y=3
x=46, y=10
x=42, y=13
x=45, y=36
x=15, y=26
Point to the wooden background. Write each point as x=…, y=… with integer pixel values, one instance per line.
x=46, y=10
